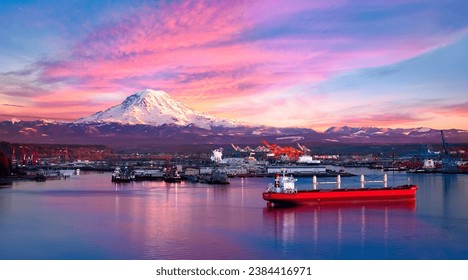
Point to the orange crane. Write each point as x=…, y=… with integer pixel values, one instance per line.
x=291, y=152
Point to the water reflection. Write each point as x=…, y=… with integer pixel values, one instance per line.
x=334, y=229
x=5, y=203
x=179, y=221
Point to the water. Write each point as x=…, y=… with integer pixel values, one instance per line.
x=88, y=217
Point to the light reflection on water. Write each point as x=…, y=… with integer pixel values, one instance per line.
x=88, y=217
x=348, y=231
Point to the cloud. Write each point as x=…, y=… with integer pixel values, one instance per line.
x=383, y=119
x=458, y=109
x=186, y=35
x=12, y=105
x=316, y=60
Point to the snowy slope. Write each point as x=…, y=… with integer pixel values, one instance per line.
x=156, y=108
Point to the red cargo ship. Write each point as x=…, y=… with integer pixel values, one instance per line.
x=283, y=192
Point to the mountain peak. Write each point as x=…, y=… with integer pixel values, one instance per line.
x=155, y=107
x=153, y=92
x=150, y=94
x=156, y=100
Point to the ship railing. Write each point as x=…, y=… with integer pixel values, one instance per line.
x=338, y=181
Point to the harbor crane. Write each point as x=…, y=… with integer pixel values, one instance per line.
x=303, y=148
x=242, y=150
x=290, y=152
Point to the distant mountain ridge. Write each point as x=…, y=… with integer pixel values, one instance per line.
x=375, y=132
x=171, y=137
x=153, y=121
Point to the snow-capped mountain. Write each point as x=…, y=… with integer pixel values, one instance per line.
x=153, y=121
x=156, y=108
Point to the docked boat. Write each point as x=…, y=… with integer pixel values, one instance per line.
x=172, y=175
x=217, y=177
x=284, y=193
x=40, y=177
x=148, y=174
x=122, y=175
x=172, y=178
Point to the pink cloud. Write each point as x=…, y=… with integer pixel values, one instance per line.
x=456, y=109
x=383, y=119
x=222, y=57
x=180, y=38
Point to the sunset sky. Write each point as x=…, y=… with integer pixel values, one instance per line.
x=302, y=63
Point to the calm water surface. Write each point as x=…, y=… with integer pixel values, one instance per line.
x=88, y=217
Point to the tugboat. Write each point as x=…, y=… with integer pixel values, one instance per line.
x=217, y=177
x=284, y=193
x=172, y=176
x=122, y=176
x=40, y=177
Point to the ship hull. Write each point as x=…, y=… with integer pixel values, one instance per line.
x=340, y=196
x=121, y=180
x=172, y=179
